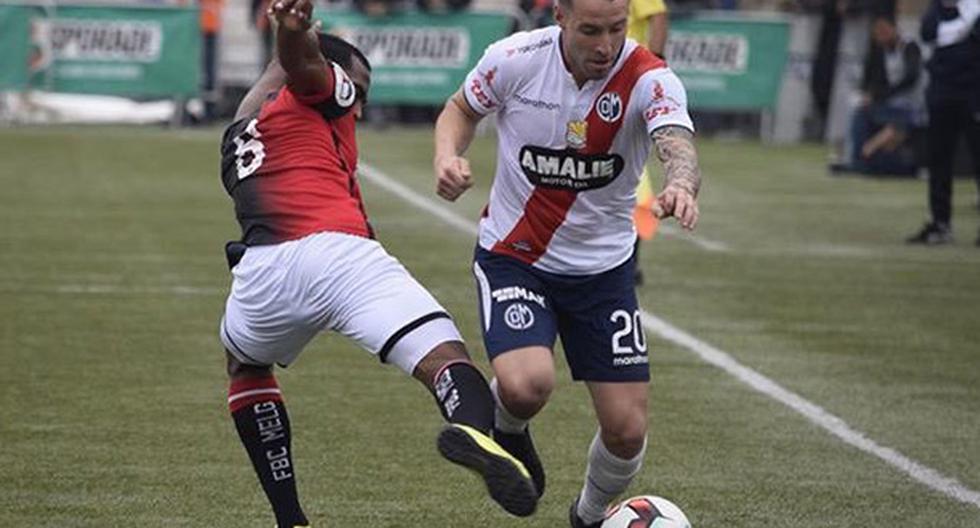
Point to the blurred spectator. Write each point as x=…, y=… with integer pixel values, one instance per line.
x=953, y=101
x=647, y=24
x=210, y=29
x=261, y=23
x=442, y=5
x=889, y=107
x=210, y=23
x=539, y=12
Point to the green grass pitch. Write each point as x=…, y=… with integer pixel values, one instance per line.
x=112, y=389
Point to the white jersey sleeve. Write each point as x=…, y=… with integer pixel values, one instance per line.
x=663, y=100
x=488, y=84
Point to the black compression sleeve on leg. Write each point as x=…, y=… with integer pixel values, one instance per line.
x=464, y=396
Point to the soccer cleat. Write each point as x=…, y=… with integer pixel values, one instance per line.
x=522, y=447
x=575, y=521
x=932, y=234
x=507, y=480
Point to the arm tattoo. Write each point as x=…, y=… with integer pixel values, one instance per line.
x=675, y=149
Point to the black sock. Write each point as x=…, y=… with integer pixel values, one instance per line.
x=260, y=416
x=464, y=396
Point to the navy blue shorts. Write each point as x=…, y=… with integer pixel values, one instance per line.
x=597, y=316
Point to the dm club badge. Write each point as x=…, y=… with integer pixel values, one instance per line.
x=575, y=134
x=609, y=107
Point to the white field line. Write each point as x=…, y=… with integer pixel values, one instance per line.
x=703, y=243
x=718, y=358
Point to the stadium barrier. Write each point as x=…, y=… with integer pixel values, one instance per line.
x=130, y=51
x=418, y=58
x=732, y=63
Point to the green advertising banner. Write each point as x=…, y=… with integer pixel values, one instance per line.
x=418, y=58
x=127, y=51
x=729, y=63
x=14, y=46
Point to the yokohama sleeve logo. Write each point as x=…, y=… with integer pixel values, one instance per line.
x=476, y=88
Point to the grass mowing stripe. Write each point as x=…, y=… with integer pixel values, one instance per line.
x=718, y=358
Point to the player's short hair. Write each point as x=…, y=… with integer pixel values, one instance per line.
x=340, y=51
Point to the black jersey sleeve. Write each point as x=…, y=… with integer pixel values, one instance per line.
x=241, y=154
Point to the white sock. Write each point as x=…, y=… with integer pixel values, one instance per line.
x=502, y=419
x=606, y=477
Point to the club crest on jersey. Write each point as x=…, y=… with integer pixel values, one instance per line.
x=568, y=169
x=344, y=91
x=609, y=107
x=576, y=133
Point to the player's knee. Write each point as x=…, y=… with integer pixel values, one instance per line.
x=237, y=369
x=437, y=358
x=626, y=436
x=526, y=394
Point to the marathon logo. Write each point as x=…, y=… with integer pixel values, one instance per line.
x=511, y=293
x=102, y=40
x=568, y=169
x=628, y=361
x=411, y=46
x=708, y=52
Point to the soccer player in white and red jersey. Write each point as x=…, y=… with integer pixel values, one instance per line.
x=579, y=107
x=308, y=262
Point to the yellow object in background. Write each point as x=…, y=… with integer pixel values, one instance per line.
x=639, y=13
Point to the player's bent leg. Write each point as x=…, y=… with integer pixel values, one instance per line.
x=616, y=453
x=259, y=412
x=524, y=382
x=467, y=404
x=525, y=378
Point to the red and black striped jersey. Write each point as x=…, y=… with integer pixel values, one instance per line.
x=290, y=168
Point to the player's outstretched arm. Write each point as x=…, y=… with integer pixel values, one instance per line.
x=298, y=49
x=682, y=177
x=454, y=133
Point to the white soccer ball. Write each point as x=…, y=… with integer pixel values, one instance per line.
x=646, y=511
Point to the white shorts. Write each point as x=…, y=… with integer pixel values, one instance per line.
x=282, y=295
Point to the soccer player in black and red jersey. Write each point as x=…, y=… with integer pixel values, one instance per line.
x=308, y=262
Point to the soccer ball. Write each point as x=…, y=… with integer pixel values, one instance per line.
x=646, y=511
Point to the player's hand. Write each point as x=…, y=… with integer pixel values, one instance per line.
x=453, y=177
x=678, y=202
x=292, y=15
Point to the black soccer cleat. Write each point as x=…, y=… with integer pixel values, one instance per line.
x=575, y=521
x=932, y=234
x=507, y=480
x=522, y=447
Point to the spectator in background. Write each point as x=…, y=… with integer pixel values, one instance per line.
x=261, y=22
x=953, y=102
x=539, y=12
x=889, y=107
x=210, y=29
x=647, y=24
x=442, y=5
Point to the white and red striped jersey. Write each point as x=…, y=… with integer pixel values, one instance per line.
x=568, y=158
